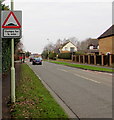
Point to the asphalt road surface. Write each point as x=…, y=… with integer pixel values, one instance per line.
x=87, y=93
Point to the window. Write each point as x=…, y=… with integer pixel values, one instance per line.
x=71, y=49
x=66, y=48
x=90, y=47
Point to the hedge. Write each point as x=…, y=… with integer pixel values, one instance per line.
x=64, y=55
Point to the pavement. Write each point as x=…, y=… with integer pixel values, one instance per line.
x=6, y=91
x=88, y=94
x=0, y=97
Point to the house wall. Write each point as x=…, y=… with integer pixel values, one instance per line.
x=106, y=45
x=68, y=47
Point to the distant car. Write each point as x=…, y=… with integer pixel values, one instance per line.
x=37, y=61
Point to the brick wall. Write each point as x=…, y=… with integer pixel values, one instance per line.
x=106, y=45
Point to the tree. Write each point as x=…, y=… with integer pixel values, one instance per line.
x=65, y=40
x=58, y=43
x=49, y=47
x=74, y=40
x=84, y=44
x=4, y=7
x=44, y=54
x=28, y=54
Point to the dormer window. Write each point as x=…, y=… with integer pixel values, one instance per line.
x=91, y=47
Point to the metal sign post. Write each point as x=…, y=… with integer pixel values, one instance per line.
x=11, y=28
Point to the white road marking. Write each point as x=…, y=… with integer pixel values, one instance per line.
x=63, y=70
x=96, y=72
x=87, y=78
x=82, y=76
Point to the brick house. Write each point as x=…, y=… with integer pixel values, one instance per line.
x=106, y=41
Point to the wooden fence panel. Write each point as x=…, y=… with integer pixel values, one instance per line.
x=98, y=59
x=81, y=59
x=92, y=59
x=77, y=58
x=107, y=60
x=86, y=59
x=112, y=59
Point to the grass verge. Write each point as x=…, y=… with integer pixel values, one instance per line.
x=83, y=66
x=33, y=100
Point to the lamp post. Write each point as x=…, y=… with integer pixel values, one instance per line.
x=12, y=67
x=48, y=51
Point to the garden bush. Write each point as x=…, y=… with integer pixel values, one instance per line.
x=52, y=56
x=64, y=55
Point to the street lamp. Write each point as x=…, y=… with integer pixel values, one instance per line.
x=12, y=65
x=48, y=50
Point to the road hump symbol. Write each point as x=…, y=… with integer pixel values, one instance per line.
x=11, y=21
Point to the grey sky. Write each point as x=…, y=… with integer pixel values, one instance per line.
x=53, y=20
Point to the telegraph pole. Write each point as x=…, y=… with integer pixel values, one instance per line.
x=12, y=67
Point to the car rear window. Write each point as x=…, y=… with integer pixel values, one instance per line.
x=38, y=58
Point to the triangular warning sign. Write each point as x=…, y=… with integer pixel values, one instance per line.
x=11, y=21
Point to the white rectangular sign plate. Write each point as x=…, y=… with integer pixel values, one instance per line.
x=11, y=32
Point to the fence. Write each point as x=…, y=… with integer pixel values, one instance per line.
x=104, y=60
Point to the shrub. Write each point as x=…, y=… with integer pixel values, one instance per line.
x=80, y=53
x=45, y=54
x=52, y=56
x=64, y=55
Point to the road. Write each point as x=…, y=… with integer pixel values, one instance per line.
x=87, y=93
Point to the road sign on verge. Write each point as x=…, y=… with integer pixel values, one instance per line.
x=11, y=24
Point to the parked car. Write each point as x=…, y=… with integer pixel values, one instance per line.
x=37, y=61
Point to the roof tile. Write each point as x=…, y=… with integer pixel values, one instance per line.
x=107, y=33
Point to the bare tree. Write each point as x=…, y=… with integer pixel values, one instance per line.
x=74, y=40
x=49, y=47
x=58, y=43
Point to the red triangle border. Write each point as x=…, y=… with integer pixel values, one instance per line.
x=19, y=26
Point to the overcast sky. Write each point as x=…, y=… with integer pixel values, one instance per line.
x=54, y=19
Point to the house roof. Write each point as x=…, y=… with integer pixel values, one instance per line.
x=107, y=33
x=93, y=42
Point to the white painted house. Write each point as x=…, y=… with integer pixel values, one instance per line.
x=68, y=47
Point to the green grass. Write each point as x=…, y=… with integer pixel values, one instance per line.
x=83, y=66
x=33, y=100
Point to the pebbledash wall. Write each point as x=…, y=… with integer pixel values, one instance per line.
x=106, y=45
